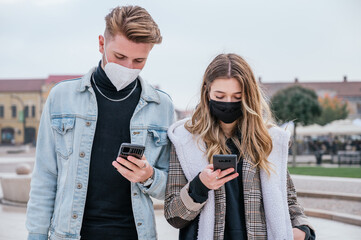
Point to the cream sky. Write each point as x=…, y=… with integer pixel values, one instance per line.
x=318, y=40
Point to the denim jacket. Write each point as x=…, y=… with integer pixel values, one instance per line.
x=60, y=177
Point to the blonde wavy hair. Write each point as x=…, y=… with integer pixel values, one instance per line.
x=133, y=22
x=256, y=143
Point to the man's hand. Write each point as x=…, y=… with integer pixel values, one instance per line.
x=138, y=170
x=298, y=234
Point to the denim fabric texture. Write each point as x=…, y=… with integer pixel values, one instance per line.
x=60, y=177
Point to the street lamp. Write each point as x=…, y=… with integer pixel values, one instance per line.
x=23, y=105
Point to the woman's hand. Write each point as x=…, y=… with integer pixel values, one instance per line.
x=298, y=234
x=215, y=179
x=133, y=169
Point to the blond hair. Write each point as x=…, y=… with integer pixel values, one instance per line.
x=133, y=22
x=256, y=143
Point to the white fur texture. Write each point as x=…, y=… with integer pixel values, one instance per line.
x=193, y=161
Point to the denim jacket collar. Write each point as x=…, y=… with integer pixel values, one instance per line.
x=149, y=94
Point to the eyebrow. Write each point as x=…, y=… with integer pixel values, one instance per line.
x=224, y=92
x=122, y=55
x=116, y=53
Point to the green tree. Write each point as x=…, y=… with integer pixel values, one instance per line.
x=332, y=109
x=297, y=104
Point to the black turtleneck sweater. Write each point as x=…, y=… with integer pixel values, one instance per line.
x=108, y=210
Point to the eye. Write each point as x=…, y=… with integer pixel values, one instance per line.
x=219, y=97
x=238, y=98
x=139, y=60
x=120, y=58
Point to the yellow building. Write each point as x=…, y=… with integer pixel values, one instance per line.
x=23, y=100
x=19, y=100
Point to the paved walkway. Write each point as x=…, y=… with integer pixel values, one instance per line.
x=334, y=185
x=12, y=219
x=12, y=227
x=328, y=184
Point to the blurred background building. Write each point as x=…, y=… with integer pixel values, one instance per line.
x=22, y=101
x=346, y=91
x=21, y=104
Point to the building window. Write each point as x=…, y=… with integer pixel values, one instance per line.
x=13, y=111
x=1, y=111
x=26, y=111
x=33, y=111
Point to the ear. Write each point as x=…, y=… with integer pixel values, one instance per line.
x=101, y=44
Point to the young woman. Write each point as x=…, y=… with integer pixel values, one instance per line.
x=259, y=200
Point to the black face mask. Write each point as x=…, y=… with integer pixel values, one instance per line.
x=227, y=112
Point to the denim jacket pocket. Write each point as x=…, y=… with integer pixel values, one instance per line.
x=159, y=136
x=64, y=134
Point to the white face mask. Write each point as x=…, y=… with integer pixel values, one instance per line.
x=119, y=75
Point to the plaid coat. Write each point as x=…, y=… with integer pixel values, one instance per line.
x=179, y=214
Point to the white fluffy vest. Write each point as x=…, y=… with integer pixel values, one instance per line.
x=274, y=188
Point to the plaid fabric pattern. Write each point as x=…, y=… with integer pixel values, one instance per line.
x=179, y=216
x=174, y=208
x=220, y=212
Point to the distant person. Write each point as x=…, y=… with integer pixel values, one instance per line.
x=318, y=151
x=79, y=188
x=256, y=202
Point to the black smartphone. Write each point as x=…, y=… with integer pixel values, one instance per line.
x=225, y=161
x=129, y=149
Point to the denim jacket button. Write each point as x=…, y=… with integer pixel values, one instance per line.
x=88, y=124
x=79, y=186
x=139, y=224
x=82, y=154
x=135, y=194
x=75, y=216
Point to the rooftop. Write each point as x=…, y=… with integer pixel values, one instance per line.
x=341, y=89
x=21, y=85
x=31, y=85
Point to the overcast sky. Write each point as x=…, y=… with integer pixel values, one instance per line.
x=314, y=40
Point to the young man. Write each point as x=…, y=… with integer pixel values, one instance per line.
x=79, y=188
